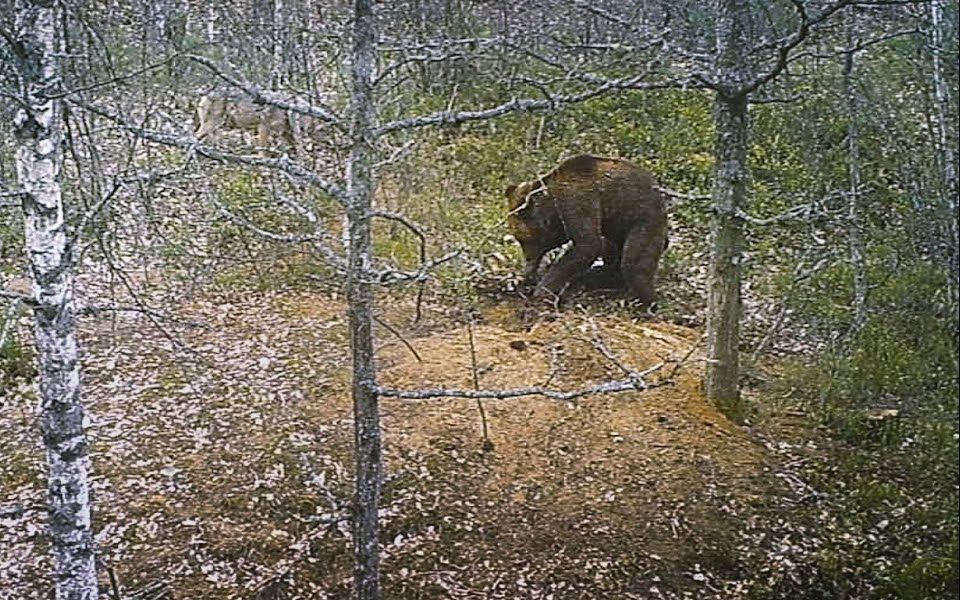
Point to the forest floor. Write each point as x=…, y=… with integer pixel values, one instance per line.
x=222, y=457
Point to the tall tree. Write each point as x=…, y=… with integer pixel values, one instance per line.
x=854, y=220
x=742, y=65
x=946, y=154
x=360, y=299
x=36, y=48
x=730, y=116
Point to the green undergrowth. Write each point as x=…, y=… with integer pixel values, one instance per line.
x=888, y=403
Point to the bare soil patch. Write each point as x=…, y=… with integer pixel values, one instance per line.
x=217, y=467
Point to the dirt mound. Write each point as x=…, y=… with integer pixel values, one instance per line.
x=630, y=487
x=215, y=458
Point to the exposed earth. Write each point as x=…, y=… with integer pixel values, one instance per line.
x=222, y=465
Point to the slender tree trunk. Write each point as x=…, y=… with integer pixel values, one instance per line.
x=157, y=14
x=360, y=297
x=946, y=157
x=39, y=160
x=854, y=221
x=731, y=119
x=210, y=24
x=279, y=33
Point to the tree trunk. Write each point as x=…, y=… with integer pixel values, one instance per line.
x=210, y=24
x=157, y=16
x=360, y=298
x=277, y=52
x=730, y=117
x=39, y=160
x=946, y=158
x=854, y=221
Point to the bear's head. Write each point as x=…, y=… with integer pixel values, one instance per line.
x=524, y=201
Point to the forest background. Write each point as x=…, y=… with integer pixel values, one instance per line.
x=808, y=153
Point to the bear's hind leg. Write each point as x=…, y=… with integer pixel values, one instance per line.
x=641, y=255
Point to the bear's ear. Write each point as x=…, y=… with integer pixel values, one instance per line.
x=510, y=190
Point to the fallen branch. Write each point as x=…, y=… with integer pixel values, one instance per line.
x=632, y=384
x=156, y=314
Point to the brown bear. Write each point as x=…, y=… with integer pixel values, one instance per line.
x=608, y=207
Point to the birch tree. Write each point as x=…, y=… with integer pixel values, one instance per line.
x=36, y=47
x=854, y=220
x=946, y=155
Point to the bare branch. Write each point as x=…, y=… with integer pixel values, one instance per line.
x=439, y=51
x=805, y=212
x=631, y=384
x=261, y=96
x=413, y=227
x=609, y=16
x=596, y=340
x=392, y=276
x=155, y=314
x=785, y=46
x=116, y=78
x=318, y=240
x=400, y=337
x=682, y=195
x=190, y=144
x=18, y=297
x=553, y=102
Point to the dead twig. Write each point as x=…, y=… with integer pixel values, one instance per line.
x=487, y=444
x=631, y=384
x=400, y=337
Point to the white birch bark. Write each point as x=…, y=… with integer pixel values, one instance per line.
x=946, y=156
x=360, y=187
x=210, y=24
x=730, y=116
x=279, y=34
x=39, y=159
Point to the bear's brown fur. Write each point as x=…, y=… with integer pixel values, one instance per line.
x=608, y=207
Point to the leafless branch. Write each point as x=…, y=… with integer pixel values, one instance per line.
x=261, y=96
x=449, y=117
x=597, y=341
x=631, y=384
x=682, y=195
x=317, y=240
x=421, y=273
x=400, y=337
x=155, y=314
x=592, y=8
x=438, y=52
x=116, y=78
x=410, y=225
x=785, y=46
x=475, y=377
x=800, y=273
x=804, y=212
x=190, y=144
x=610, y=387
x=861, y=44
x=396, y=155
x=18, y=297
